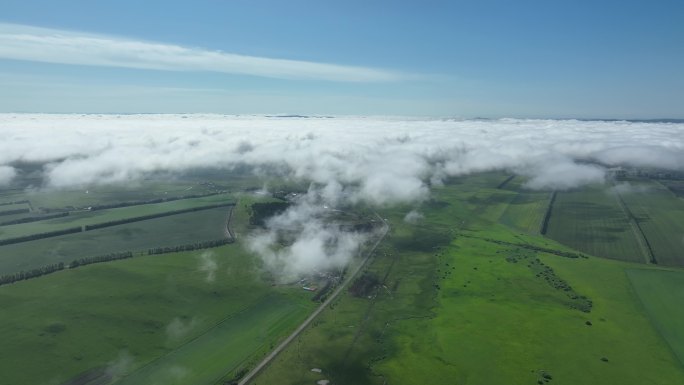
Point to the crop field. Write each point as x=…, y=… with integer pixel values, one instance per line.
x=592, y=221
x=118, y=318
x=463, y=308
x=676, y=186
x=84, y=218
x=136, y=236
x=661, y=217
x=662, y=293
x=526, y=210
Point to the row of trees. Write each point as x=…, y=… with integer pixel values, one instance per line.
x=149, y=201
x=100, y=258
x=15, y=211
x=33, y=237
x=190, y=246
x=153, y=216
x=34, y=219
x=33, y=273
x=547, y=215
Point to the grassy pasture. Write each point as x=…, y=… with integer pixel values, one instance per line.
x=460, y=313
x=137, y=236
x=592, y=221
x=662, y=294
x=526, y=210
x=82, y=218
x=661, y=217
x=120, y=317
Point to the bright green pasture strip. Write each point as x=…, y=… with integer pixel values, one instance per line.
x=662, y=294
x=223, y=348
x=136, y=236
x=93, y=195
x=592, y=221
x=81, y=218
x=661, y=217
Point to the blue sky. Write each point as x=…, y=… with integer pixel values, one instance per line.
x=621, y=59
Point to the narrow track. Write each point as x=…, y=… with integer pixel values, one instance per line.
x=257, y=369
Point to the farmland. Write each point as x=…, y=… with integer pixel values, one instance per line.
x=478, y=304
x=468, y=292
x=661, y=217
x=661, y=293
x=591, y=220
x=137, y=237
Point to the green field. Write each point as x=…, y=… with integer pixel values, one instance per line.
x=462, y=309
x=137, y=236
x=83, y=218
x=161, y=316
x=591, y=220
x=526, y=211
x=660, y=215
x=661, y=293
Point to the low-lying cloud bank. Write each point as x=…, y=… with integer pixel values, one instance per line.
x=373, y=160
x=386, y=160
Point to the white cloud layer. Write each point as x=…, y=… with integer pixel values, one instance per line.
x=22, y=42
x=376, y=160
x=373, y=160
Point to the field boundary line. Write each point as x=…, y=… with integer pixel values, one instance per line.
x=641, y=239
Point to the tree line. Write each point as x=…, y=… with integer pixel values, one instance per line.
x=33, y=237
x=34, y=219
x=100, y=258
x=152, y=216
x=15, y=211
x=190, y=246
x=33, y=273
x=547, y=215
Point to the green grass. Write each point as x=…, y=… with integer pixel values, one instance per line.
x=591, y=220
x=460, y=313
x=661, y=217
x=82, y=218
x=662, y=294
x=526, y=211
x=137, y=236
x=125, y=315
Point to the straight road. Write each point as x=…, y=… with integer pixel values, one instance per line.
x=249, y=376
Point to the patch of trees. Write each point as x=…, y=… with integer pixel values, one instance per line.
x=106, y=206
x=100, y=258
x=322, y=294
x=190, y=246
x=33, y=237
x=261, y=211
x=15, y=211
x=34, y=219
x=364, y=285
x=505, y=182
x=542, y=271
x=33, y=273
x=153, y=216
x=547, y=216
x=423, y=239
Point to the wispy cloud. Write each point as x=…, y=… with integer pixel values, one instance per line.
x=21, y=42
